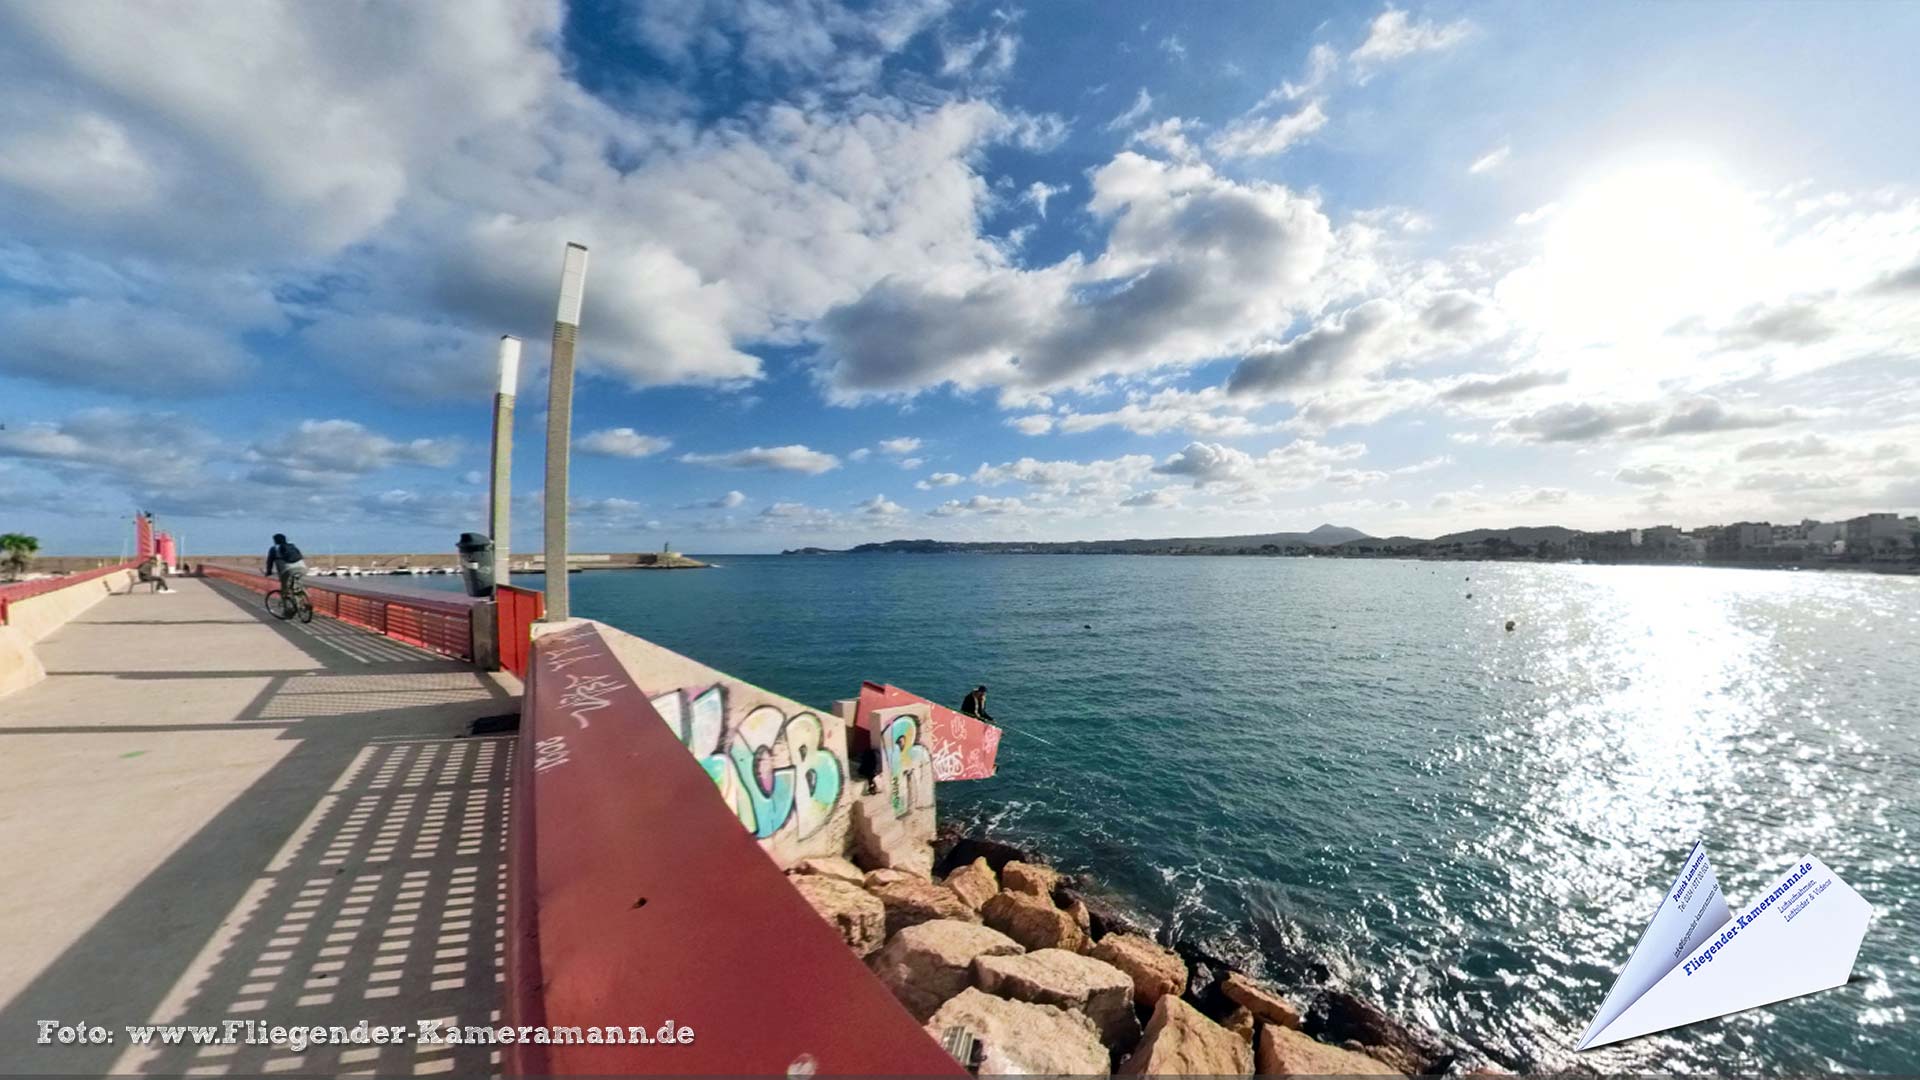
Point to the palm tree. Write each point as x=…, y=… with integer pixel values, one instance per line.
x=19, y=548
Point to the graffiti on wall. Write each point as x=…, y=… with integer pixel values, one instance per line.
x=904, y=758
x=961, y=747
x=773, y=766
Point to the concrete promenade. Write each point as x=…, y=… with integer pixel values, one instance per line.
x=206, y=814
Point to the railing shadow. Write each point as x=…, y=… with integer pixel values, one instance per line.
x=359, y=876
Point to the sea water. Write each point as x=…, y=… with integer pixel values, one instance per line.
x=1351, y=769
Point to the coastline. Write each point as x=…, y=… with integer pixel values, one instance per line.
x=1217, y=986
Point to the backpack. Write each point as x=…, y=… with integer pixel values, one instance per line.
x=289, y=553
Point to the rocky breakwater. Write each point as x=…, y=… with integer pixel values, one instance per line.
x=1007, y=963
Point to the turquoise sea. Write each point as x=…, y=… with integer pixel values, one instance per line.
x=1353, y=765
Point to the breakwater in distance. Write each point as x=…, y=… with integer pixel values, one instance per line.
x=1348, y=768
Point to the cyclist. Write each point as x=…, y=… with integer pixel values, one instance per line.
x=284, y=557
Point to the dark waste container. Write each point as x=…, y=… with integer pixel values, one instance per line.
x=476, y=563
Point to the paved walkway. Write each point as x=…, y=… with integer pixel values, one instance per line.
x=208, y=814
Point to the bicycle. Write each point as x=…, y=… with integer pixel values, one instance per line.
x=292, y=604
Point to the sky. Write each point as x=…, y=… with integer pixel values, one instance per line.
x=930, y=268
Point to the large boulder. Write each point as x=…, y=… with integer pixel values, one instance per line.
x=1286, y=1052
x=1032, y=921
x=1179, y=1041
x=1019, y=1038
x=926, y=964
x=1155, y=971
x=1030, y=878
x=1240, y=1022
x=975, y=883
x=1337, y=1016
x=1069, y=980
x=859, y=916
x=915, y=900
x=877, y=878
x=1265, y=1005
x=831, y=866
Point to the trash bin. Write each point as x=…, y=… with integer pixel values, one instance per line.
x=476, y=563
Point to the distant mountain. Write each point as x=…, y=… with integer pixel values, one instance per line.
x=1335, y=534
x=1326, y=536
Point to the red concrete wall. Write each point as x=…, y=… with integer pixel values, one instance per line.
x=635, y=897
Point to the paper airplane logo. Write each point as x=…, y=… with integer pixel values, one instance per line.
x=1697, y=960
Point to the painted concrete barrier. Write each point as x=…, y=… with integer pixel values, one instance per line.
x=636, y=898
x=29, y=611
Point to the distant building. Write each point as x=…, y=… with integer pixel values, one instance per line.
x=1824, y=533
x=1741, y=537
x=1664, y=538
x=1880, y=535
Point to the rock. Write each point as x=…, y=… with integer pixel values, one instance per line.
x=1286, y=1052
x=860, y=917
x=1240, y=1022
x=928, y=963
x=1337, y=1016
x=1019, y=1038
x=1069, y=980
x=877, y=878
x=1399, y=1061
x=1180, y=1041
x=1032, y=921
x=1104, y=916
x=1076, y=910
x=830, y=866
x=914, y=901
x=1030, y=878
x=959, y=851
x=1155, y=971
x=974, y=883
x=1264, y=1004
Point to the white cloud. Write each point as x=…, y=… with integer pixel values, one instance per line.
x=1645, y=476
x=1195, y=266
x=861, y=454
x=1207, y=412
x=1394, y=36
x=979, y=504
x=1035, y=424
x=1254, y=136
x=621, y=442
x=1159, y=498
x=939, y=480
x=1322, y=61
x=336, y=450
x=1298, y=464
x=1491, y=160
x=1142, y=105
x=905, y=444
x=118, y=346
x=880, y=506
x=1038, y=194
x=794, y=458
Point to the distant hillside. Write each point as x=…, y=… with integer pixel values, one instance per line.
x=1326, y=536
x=1522, y=535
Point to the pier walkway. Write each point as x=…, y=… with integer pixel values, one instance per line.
x=207, y=814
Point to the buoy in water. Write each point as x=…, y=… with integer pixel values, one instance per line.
x=1509, y=626
x=1469, y=596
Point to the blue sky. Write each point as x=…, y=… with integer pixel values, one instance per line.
x=931, y=268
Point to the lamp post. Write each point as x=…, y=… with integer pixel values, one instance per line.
x=500, y=492
x=566, y=329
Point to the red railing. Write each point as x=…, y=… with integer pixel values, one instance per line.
x=518, y=610
x=442, y=626
x=22, y=590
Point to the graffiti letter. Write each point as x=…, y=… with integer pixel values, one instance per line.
x=819, y=774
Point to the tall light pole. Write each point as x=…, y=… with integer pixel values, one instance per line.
x=566, y=329
x=500, y=493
